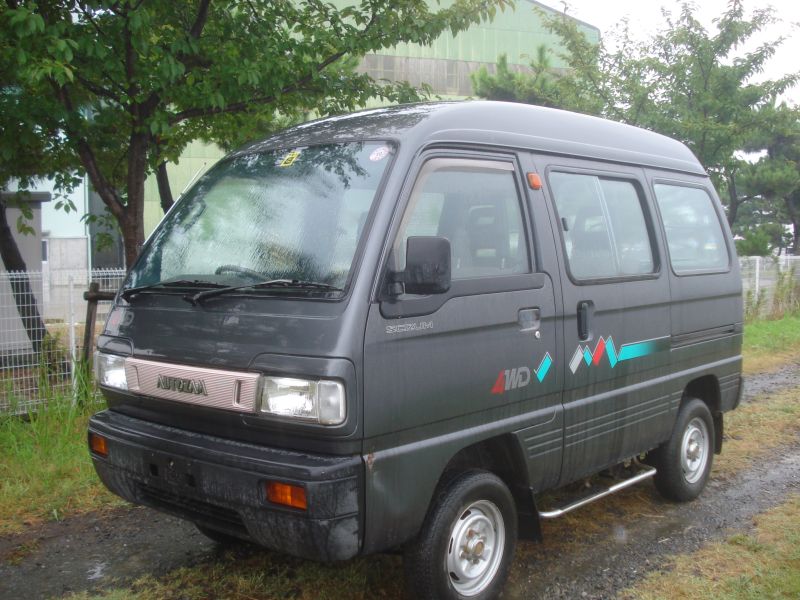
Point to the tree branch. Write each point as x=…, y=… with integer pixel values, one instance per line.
x=97, y=89
x=191, y=113
x=103, y=187
x=200, y=20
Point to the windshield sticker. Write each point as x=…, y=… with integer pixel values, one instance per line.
x=379, y=153
x=288, y=160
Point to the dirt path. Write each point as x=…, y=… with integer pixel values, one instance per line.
x=595, y=555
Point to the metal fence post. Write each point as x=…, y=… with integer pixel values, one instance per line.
x=758, y=277
x=72, y=349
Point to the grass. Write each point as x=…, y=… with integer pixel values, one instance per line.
x=755, y=428
x=45, y=470
x=258, y=575
x=768, y=345
x=755, y=566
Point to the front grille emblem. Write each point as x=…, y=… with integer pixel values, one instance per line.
x=185, y=386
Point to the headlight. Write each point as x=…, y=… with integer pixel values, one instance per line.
x=110, y=370
x=318, y=401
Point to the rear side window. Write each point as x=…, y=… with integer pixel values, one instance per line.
x=603, y=224
x=694, y=233
x=474, y=204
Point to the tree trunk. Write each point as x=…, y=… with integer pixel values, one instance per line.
x=133, y=224
x=20, y=284
x=164, y=191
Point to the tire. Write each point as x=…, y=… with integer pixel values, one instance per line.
x=475, y=514
x=219, y=537
x=683, y=462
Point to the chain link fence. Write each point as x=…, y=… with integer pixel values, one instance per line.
x=42, y=323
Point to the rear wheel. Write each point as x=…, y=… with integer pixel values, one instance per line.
x=683, y=462
x=465, y=547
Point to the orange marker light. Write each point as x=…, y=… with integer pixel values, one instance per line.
x=534, y=181
x=287, y=494
x=98, y=444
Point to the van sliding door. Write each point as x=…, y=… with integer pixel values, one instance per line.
x=616, y=323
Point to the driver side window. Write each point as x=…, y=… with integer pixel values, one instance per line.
x=475, y=205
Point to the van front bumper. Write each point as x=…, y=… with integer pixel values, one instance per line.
x=220, y=484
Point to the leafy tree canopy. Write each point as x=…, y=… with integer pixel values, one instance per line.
x=117, y=87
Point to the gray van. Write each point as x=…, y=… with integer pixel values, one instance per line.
x=396, y=328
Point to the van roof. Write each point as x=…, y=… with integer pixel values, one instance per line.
x=500, y=124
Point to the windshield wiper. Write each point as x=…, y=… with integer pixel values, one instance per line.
x=128, y=292
x=195, y=299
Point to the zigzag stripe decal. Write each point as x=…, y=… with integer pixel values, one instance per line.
x=543, y=367
x=606, y=346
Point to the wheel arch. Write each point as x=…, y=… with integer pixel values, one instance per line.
x=706, y=389
x=503, y=456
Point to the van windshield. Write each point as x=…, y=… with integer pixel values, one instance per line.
x=294, y=214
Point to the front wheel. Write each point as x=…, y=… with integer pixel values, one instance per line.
x=465, y=547
x=683, y=462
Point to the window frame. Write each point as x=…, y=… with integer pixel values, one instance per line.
x=715, y=205
x=428, y=169
x=647, y=214
x=407, y=305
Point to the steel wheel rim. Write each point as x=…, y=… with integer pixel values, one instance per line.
x=694, y=450
x=475, y=549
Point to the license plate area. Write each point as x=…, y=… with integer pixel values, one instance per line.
x=173, y=471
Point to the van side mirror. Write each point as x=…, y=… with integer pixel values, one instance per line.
x=427, y=265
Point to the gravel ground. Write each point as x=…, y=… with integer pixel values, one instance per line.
x=98, y=551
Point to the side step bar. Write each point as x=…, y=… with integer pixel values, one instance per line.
x=552, y=514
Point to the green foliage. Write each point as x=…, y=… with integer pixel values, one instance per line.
x=772, y=337
x=756, y=242
x=45, y=468
x=115, y=87
x=753, y=305
x=775, y=178
x=786, y=295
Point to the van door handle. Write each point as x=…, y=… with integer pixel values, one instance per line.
x=583, y=320
x=529, y=319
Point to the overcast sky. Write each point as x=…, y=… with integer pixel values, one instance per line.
x=645, y=18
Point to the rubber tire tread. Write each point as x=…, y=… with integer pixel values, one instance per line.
x=423, y=561
x=669, y=479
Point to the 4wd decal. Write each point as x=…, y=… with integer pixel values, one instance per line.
x=512, y=379
x=606, y=346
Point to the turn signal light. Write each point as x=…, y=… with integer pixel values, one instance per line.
x=534, y=181
x=287, y=494
x=98, y=444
